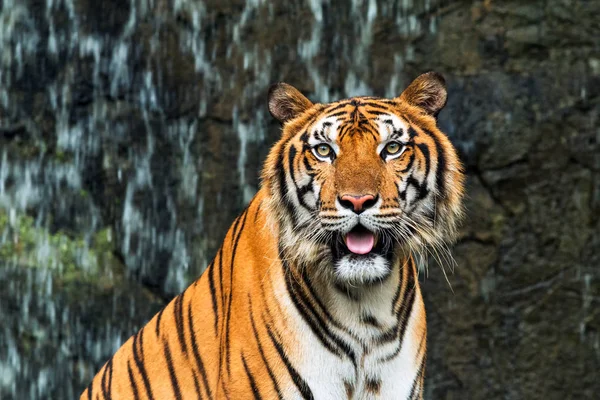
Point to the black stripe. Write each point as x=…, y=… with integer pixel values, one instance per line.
x=410, y=163
x=414, y=391
x=399, y=331
x=409, y=277
x=354, y=113
x=425, y=150
x=310, y=316
x=262, y=352
x=314, y=318
x=315, y=297
x=336, y=107
x=377, y=112
x=105, y=393
x=106, y=386
x=136, y=395
x=401, y=195
x=282, y=182
x=407, y=305
x=339, y=113
x=220, y=286
x=233, y=253
x=158, y=317
x=403, y=315
x=138, y=357
x=344, y=131
x=363, y=121
x=388, y=101
x=299, y=191
x=375, y=105
x=90, y=388
x=306, y=147
x=368, y=129
x=304, y=136
x=179, y=323
x=291, y=157
x=392, y=355
x=308, y=167
x=421, y=188
x=196, y=353
x=197, y=386
x=373, y=385
x=296, y=378
x=369, y=319
x=255, y=391
x=321, y=136
x=422, y=342
x=441, y=164
x=305, y=189
x=171, y=367
x=257, y=212
x=399, y=287
x=213, y=294
x=397, y=133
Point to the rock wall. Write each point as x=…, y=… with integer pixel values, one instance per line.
x=132, y=133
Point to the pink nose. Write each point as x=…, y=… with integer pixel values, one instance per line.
x=357, y=203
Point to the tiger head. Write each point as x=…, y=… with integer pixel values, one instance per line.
x=360, y=181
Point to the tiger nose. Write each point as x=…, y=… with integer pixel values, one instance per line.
x=358, y=203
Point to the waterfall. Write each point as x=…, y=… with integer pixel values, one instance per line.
x=131, y=134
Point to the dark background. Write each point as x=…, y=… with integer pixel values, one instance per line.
x=132, y=133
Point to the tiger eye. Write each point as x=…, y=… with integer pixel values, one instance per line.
x=392, y=148
x=323, y=150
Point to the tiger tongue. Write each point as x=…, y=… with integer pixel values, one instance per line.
x=360, y=242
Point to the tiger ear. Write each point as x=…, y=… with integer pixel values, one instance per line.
x=286, y=102
x=427, y=92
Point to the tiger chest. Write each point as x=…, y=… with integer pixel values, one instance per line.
x=371, y=375
x=338, y=367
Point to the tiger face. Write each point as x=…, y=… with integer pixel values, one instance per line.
x=356, y=182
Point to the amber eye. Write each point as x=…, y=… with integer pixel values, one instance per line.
x=323, y=150
x=393, y=148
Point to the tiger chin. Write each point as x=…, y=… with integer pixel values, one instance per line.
x=314, y=291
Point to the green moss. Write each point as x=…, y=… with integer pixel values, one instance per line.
x=62, y=157
x=72, y=258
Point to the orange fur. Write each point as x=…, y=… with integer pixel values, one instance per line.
x=236, y=332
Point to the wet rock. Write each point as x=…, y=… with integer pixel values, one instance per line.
x=56, y=334
x=148, y=120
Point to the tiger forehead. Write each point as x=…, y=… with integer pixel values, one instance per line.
x=354, y=118
x=372, y=105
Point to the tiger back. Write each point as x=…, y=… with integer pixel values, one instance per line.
x=314, y=291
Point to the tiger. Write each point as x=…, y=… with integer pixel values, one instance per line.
x=314, y=292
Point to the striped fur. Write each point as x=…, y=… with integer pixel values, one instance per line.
x=284, y=311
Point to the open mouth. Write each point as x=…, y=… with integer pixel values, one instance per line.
x=360, y=243
x=362, y=256
x=360, y=240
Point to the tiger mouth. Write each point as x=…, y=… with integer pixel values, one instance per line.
x=359, y=242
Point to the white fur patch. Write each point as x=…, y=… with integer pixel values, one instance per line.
x=326, y=374
x=388, y=124
x=328, y=127
x=355, y=270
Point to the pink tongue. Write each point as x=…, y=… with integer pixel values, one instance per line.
x=360, y=242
